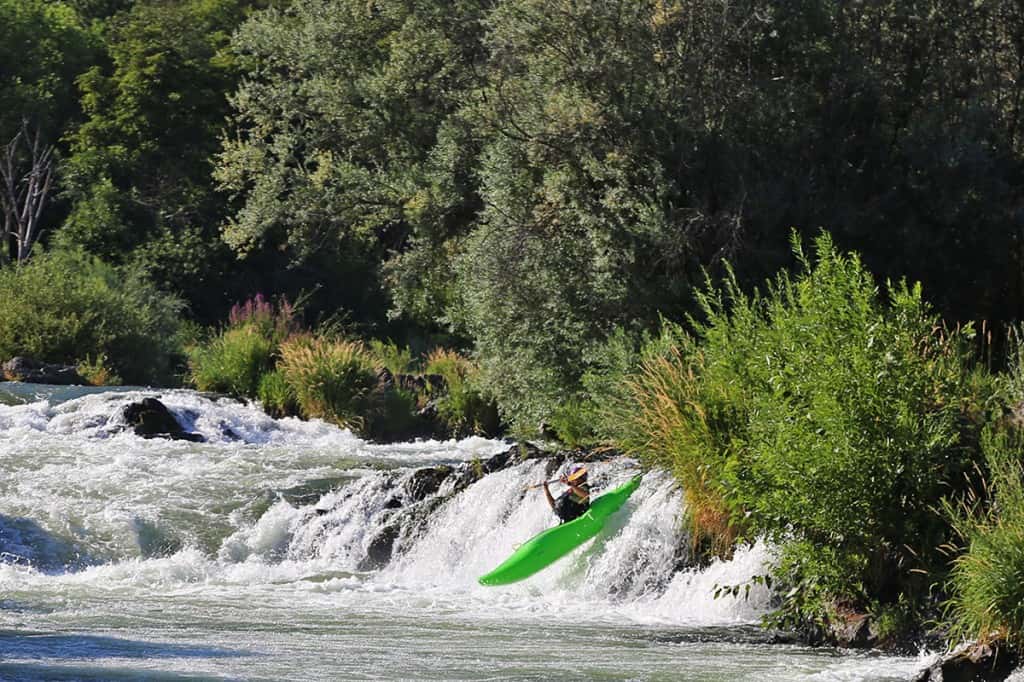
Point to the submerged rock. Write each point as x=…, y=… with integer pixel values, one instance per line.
x=36, y=372
x=977, y=662
x=150, y=418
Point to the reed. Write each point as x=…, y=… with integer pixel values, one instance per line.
x=277, y=396
x=332, y=379
x=987, y=581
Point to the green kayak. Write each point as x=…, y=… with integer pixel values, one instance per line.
x=547, y=547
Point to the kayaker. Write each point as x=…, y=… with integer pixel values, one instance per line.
x=576, y=500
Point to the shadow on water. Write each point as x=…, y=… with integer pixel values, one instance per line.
x=24, y=542
x=56, y=646
x=28, y=672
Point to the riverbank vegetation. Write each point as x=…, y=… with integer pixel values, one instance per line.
x=772, y=247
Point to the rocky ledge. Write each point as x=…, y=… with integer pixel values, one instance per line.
x=36, y=372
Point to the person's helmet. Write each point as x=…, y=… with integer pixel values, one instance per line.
x=576, y=474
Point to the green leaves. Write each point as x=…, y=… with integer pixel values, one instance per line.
x=65, y=307
x=817, y=413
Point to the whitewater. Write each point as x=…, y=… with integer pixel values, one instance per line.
x=293, y=550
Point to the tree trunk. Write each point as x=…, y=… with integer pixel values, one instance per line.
x=26, y=176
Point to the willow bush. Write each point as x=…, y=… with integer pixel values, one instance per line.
x=820, y=414
x=67, y=307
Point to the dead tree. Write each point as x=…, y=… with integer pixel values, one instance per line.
x=26, y=175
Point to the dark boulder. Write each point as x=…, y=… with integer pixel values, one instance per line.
x=425, y=482
x=974, y=663
x=150, y=418
x=36, y=372
x=379, y=551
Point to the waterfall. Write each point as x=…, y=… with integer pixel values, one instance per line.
x=268, y=501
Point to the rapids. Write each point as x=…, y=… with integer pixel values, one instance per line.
x=291, y=550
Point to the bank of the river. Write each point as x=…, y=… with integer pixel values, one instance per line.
x=245, y=557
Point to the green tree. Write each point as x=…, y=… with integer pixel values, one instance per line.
x=346, y=140
x=44, y=46
x=139, y=175
x=603, y=180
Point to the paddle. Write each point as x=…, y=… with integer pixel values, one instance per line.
x=538, y=485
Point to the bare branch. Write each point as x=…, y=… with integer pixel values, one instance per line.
x=26, y=178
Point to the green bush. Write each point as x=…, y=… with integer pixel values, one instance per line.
x=821, y=416
x=238, y=357
x=66, y=307
x=276, y=395
x=987, y=582
x=234, y=362
x=461, y=405
x=332, y=380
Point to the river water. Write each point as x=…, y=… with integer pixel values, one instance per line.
x=258, y=556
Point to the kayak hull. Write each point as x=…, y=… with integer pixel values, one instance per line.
x=549, y=546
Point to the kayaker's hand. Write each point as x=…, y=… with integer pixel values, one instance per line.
x=545, y=484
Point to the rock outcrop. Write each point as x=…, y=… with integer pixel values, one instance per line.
x=977, y=662
x=36, y=372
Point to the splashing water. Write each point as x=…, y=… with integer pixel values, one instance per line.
x=282, y=549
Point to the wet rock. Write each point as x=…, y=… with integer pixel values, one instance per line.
x=150, y=418
x=380, y=549
x=977, y=662
x=425, y=482
x=33, y=371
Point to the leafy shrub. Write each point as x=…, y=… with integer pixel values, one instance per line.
x=462, y=406
x=236, y=359
x=64, y=306
x=819, y=415
x=987, y=581
x=234, y=362
x=276, y=395
x=332, y=380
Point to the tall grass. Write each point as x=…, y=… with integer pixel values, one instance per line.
x=233, y=362
x=332, y=380
x=987, y=581
x=277, y=396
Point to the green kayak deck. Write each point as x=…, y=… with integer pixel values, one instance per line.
x=547, y=547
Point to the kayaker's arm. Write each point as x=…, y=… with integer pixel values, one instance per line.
x=581, y=493
x=547, y=494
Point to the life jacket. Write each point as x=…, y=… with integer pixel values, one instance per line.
x=570, y=505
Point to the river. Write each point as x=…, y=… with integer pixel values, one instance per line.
x=257, y=556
